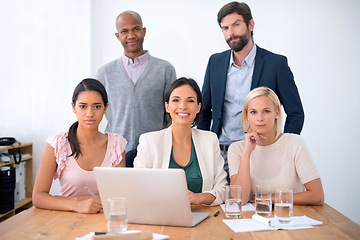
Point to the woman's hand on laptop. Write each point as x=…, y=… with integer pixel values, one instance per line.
x=200, y=198
x=86, y=205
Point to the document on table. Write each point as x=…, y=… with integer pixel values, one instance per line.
x=156, y=236
x=248, y=207
x=251, y=225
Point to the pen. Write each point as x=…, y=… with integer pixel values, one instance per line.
x=260, y=136
x=217, y=213
x=91, y=193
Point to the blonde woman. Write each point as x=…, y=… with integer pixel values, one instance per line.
x=268, y=156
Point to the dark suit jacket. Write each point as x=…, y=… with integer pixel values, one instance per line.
x=270, y=70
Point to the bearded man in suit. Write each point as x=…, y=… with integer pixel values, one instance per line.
x=232, y=74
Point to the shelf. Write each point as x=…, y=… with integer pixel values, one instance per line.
x=9, y=213
x=16, y=145
x=4, y=164
x=22, y=203
x=12, y=162
x=26, y=147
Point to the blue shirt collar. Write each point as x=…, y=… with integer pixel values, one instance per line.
x=249, y=60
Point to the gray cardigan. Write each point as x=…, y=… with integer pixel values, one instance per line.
x=137, y=108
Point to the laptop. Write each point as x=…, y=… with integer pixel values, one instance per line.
x=154, y=196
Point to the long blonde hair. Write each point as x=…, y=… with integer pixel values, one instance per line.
x=258, y=92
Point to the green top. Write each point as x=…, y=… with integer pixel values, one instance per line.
x=192, y=170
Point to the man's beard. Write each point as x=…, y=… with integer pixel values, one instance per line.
x=241, y=43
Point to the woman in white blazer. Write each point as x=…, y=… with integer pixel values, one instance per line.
x=181, y=146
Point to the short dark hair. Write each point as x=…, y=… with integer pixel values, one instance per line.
x=240, y=8
x=88, y=84
x=178, y=83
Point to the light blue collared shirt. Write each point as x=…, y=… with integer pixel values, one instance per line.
x=238, y=86
x=135, y=68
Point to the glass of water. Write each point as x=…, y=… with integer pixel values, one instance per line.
x=263, y=200
x=283, y=205
x=117, y=221
x=233, y=201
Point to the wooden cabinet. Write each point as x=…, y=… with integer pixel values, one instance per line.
x=26, y=149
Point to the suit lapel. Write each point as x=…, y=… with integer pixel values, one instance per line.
x=223, y=67
x=222, y=71
x=259, y=63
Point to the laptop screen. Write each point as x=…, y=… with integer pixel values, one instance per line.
x=154, y=196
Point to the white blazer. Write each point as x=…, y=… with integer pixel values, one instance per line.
x=155, y=148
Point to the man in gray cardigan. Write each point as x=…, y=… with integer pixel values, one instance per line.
x=135, y=84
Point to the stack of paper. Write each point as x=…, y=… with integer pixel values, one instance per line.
x=258, y=223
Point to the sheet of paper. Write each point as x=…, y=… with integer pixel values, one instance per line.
x=156, y=236
x=246, y=225
x=297, y=222
x=250, y=225
x=248, y=207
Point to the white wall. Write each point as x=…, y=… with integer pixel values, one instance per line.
x=47, y=47
x=44, y=54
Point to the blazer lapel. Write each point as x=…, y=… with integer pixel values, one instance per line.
x=259, y=63
x=167, y=147
x=202, y=155
x=197, y=145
